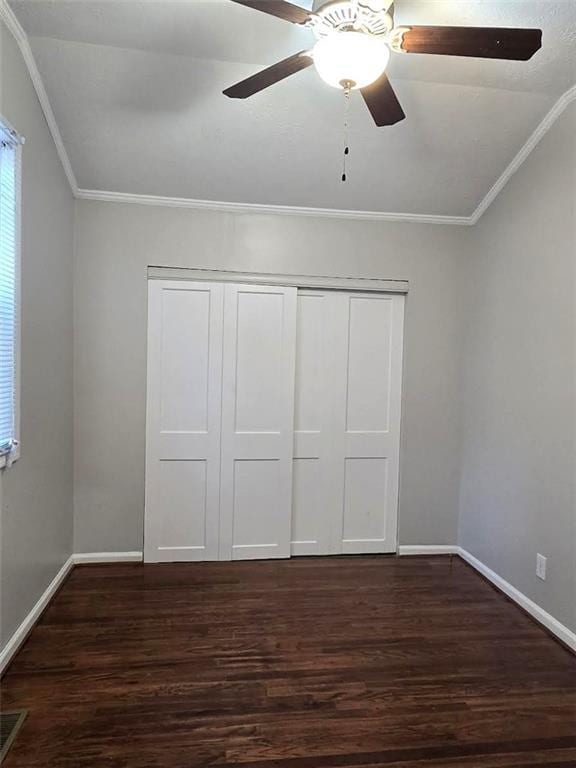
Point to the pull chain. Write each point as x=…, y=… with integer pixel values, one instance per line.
x=346, y=126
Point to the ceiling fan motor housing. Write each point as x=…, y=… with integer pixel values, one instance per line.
x=371, y=17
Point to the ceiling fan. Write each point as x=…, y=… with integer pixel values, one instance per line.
x=353, y=43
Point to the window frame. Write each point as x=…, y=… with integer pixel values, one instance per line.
x=7, y=459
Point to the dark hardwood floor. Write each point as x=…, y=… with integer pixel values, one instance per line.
x=309, y=663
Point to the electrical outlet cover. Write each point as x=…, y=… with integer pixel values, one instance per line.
x=541, y=566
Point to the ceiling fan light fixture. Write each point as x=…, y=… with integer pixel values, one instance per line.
x=350, y=58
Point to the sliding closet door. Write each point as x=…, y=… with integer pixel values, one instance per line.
x=183, y=420
x=315, y=503
x=367, y=439
x=243, y=463
x=257, y=421
x=347, y=426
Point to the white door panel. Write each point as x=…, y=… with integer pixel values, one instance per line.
x=365, y=505
x=368, y=440
x=310, y=521
x=308, y=527
x=185, y=327
x=181, y=489
x=308, y=397
x=257, y=421
x=348, y=383
x=368, y=365
x=258, y=525
x=183, y=421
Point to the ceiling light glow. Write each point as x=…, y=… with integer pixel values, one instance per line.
x=348, y=57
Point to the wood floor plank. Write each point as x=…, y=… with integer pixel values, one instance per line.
x=340, y=662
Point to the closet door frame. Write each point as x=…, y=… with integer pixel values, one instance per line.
x=323, y=282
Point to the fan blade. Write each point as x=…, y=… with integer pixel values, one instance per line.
x=484, y=42
x=279, y=8
x=382, y=102
x=266, y=77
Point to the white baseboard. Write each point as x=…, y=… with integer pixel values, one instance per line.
x=428, y=549
x=543, y=617
x=107, y=557
x=12, y=646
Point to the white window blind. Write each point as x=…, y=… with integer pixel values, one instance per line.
x=9, y=294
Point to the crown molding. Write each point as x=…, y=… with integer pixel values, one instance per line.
x=283, y=210
x=415, y=218
x=8, y=17
x=542, y=129
x=12, y=23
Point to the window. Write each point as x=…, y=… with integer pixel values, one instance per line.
x=10, y=150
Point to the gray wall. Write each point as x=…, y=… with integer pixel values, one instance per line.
x=114, y=245
x=37, y=516
x=517, y=495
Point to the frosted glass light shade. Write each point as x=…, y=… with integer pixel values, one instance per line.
x=354, y=57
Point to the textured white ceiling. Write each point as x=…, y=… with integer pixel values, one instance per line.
x=136, y=90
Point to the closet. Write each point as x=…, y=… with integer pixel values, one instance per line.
x=273, y=421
